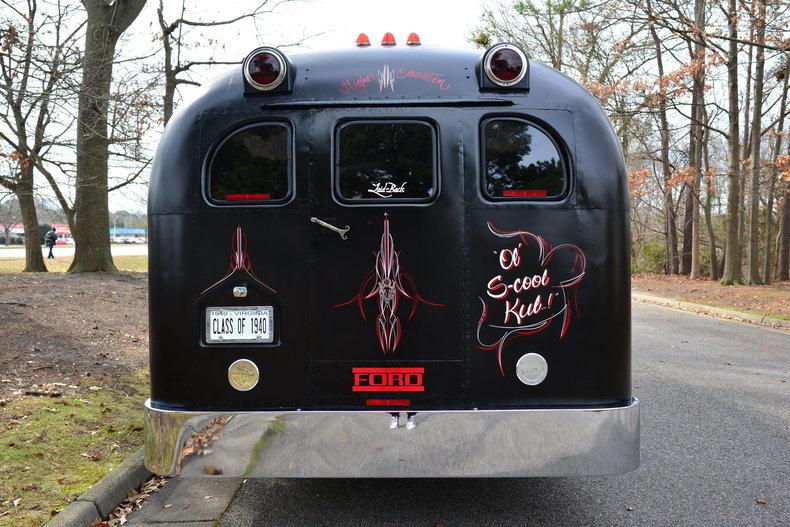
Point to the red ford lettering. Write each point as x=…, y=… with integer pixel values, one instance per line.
x=388, y=379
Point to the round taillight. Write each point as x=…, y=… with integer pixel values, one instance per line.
x=265, y=68
x=505, y=65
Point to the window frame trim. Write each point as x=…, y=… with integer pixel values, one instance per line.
x=548, y=132
x=379, y=202
x=211, y=156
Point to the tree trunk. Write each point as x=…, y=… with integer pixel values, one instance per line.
x=723, y=261
x=732, y=257
x=754, y=204
x=106, y=23
x=712, y=256
x=784, y=238
x=746, y=142
x=170, y=93
x=688, y=229
x=671, y=241
x=170, y=75
x=768, y=269
x=34, y=260
x=698, y=103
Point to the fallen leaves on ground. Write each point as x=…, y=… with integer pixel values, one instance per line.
x=94, y=455
x=211, y=470
x=133, y=502
x=765, y=299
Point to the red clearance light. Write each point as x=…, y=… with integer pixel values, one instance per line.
x=265, y=68
x=524, y=193
x=363, y=41
x=246, y=197
x=413, y=40
x=388, y=402
x=388, y=39
x=505, y=65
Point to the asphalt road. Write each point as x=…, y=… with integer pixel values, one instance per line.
x=17, y=251
x=715, y=439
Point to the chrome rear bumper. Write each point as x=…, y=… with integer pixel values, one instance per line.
x=469, y=443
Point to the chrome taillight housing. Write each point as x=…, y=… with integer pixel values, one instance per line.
x=505, y=65
x=265, y=68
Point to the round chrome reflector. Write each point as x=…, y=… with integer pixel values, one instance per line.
x=505, y=65
x=531, y=369
x=243, y=375
x=265, y=68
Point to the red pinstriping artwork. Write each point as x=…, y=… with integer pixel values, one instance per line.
x=240, y=261
x=387, y=283
x=534, y=284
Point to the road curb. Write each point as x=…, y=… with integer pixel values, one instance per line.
x=712, y=311
x=99, y=500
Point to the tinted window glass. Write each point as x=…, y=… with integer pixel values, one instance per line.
x=521, y=161
x=252, y=165
x=386, y=161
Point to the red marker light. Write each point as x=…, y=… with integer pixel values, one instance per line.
x=246, y=197
x=363, y=41
x=388, y=402
x=523, y=193
x=413, y=40
x=388, y=39
x=265, y=68
x=505, y=65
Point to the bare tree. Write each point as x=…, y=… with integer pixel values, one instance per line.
x=732, y=258
x=39, y=55
x=783, y=252
x=105, y=24
x=177, y=67
x=697, y=112
x=753, y=276
x=708, y=205
x=671, y=242
x=782, y=74
x=10, y=215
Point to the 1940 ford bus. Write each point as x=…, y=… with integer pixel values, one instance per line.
x=390, y=261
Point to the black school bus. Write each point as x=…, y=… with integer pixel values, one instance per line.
x=390, y=261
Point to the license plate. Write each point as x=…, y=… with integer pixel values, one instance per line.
x=248, y=324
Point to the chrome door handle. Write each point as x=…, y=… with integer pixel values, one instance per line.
x=341, y=232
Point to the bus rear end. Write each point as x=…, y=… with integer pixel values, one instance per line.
x=390, y=262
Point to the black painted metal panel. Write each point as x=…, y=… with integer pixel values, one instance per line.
x=450, y=249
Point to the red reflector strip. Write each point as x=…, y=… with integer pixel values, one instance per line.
x=388, y=388
x=524, y=193
x=388, y=370
x=388, y=402
x=246, y=197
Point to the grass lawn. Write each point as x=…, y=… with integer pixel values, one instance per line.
x=136, y=263
x=53, y=449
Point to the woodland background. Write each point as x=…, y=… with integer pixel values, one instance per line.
x=697, y=92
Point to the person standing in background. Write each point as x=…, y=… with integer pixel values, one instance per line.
x=50, y=239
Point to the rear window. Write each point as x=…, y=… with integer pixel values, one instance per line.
x=520, y=161
x=392, y=161
x=253, y=166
